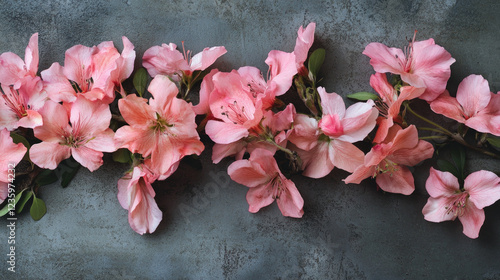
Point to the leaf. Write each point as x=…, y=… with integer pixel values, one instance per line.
x=26, y=197
x=6, y=209
x=445, y=165
x=69, y=168
x=315, y=61
x=16, y=138
x=140, y=81
x=363, y=96
x=122, y=156
x=458, y=156
x=38, y=208
x=494, y=141
x=46, y=177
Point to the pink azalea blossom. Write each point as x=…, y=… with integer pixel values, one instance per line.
x=266, y=182
x=19, y=107
x=328, y=143
x=136, y=195
x=164, y=129
x=13, y=69
x=391, y=103
x=167, y=60
x=388, y=161
x=91, y=72
x=10, y=156
x=448, y=201
x=423, y=65
x=303, y=43
x=124, y=66
x=475, y=106
x=206, y=88
x=85, y=139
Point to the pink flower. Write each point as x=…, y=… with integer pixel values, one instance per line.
x=88, y=72
x=85, y=139
x=475, y=106
x=10, y=156
x=423, y=65
x=392, y=101
x=124, y=65
x=206, y=88
x=19, y=107
x=328, y=143
x=167, y=60
x=266, y=182
x=136, y=195
x=388, y=161
x=164, y=129
x=448, y=201
x=303, y=43
x=13, y=69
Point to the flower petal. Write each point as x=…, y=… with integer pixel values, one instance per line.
x=473, y=94
x=483, y=187
x=441, y=183
x=400, y=180
x=48, y=155
x=290, y=201
x=472, y=220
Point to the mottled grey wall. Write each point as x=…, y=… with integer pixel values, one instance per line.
x=347, y=232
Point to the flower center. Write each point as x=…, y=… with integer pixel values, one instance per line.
x=74, y=141
x=331, y=125
x=386, y=166
x=277, y=186
x=235, y=113
x=458, y=204
x=160, y=125
x=15, y=102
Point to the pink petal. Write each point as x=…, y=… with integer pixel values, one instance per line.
x=163, y=91
x=436, y=209
x=259, y=197
x=359, y=120
x=57, y=85
x=412, y=156
x=441, y=183
x=4, y=191
x=102, y=141
x=137, y=140
x=11, y=154
x=55, y=122
x=332, y=103
x=383, y=128
x=136, y=111
x=346, y=156
x=220, y=151
x=384, y=59
x=472, y=220
x=89, y=118
x=282, y=69
x=405, y=139
x=125, y=63
x=207, y=57
x=398, y=181
x=11, y=68
x=31, y=55
x=379, y=83
x=248, y=173
x=448, y=106
x=483, y=187
x=360, y=173
x=206, y=88
x=305, y=132
x=318, y=162
x=48, y=155
x=77, y=64
x=225, y=133
x=89, y=158
x=290, y=201
x=31, y=120
x=165, y=60
x=305, y=39
x=473, y=94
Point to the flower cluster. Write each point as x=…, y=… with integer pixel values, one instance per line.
x=68, y=116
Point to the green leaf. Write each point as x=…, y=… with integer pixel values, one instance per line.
x=46, y=177
x=69, y=168
x=122, y=156
x=315, y=61
x=140, y=81
x=38, y=208
x=6, y=208
x=458, y=156
x=445, y=165
x=494, y=141
x=26, y=197
x=363, y=96
x=16, y=138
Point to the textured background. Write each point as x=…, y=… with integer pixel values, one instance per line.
x=348, y=231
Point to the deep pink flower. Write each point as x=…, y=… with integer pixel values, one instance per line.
x=19, y=107
x=164, y=129
x=13, y=69
x=328, y=143
x=475, y=106
x=391, y=103
x=167, y=60
x=10, y=156
x=388, y=161
x=136, y=195
x=448, y=201
x=423, y=65
x=85, y=139
x=305, y=39
x=266, y=182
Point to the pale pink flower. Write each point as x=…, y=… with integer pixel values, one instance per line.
x=448, y=201
x=10, y=156
x=305, y=39
x=13, y=69
x=19, y=107
x=206, y=88
x=124, y=66
x=164, y=129
x=390, y=106
x=266, y=182
x=475, y=106
x=167, y=60
x=328, y=143
x=85, y=139
x=387, y=162
x=136, y=195
x=423, y=65
x=91, y=72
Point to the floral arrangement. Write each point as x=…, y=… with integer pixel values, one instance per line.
x=67, y=116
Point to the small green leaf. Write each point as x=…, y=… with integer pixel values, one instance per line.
x=69, y=168
x=26, y=197
x=122, y=156
x=140, y=81
x=494, y=141
x=6, y=208
x=38, y=208
x=363, y=96
x=445, y=165
x=46, y=177
x=458, y=156
x=315, y=61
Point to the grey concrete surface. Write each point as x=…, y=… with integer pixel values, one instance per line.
x=347, y=232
